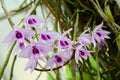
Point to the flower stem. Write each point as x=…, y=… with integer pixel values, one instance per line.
x=73, y=64
x=97, y=63
x=12, y=67
x=7, y=13
x=6, y=60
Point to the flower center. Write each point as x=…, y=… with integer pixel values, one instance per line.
x=58, y=59
x=81, y=53
x=48, y=36
x=21, y=45
x=35, y=50
x=18, y=35
x=66, y=43
x=31, y=21
x=45, y=37
x=98, y=34
x=63, y=43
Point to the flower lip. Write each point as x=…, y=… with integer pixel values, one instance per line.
x=21, y=45
x=32, y=21
x=58, y=59
x=35, y=50
x=48, y=36
x=63, y=43
x=18, y=35
x=45, y=37
x=81, y=53
x=66, y=42
x=99, y=34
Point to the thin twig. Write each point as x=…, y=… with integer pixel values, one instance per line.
x=85, y=7
x=6, y=60
x=38, y=76
x=51, y=10
x=7, y=13
x=12, y=68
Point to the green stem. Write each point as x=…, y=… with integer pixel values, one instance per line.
x=33, y=8
x=12, y=68
x=102, y=14
x=57, y=74
x=80, y=72
x=18, y=10
x=97, y=64
x=38, y=76
x=73, y=64
x=88, y=70
x=46, y=71
x=85, y=7
x=6, y=60
x=7, y=13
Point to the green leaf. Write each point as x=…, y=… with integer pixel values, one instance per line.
x=50, y=76
x=68, y=73
x=108, y=13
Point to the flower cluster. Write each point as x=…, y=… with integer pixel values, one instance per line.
x=52, y=47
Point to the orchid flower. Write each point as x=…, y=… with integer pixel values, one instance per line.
x=57, y=59
x=64, y=42
x=85, y=38
x=47, y=36
x=99, y=35
x=34, y=52
x=81, y=52
x=18, y=34
x=33, y=21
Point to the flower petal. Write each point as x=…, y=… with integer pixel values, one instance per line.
x=50, y=63
x=27, y=32
x=32, y=63
x=66, y=32
x=33, y=21
x=26, y=52
x=10, y=37
x=76, y=57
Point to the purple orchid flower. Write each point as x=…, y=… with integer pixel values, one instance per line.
x=99, y=35
x=85, y=38
x=63, y=41
x=81, y=52
x=18, y=34
x=33, y=21
x=47, y=36
x=57, y=59
x=34, y=52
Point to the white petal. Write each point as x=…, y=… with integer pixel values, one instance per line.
x=93, y=41
x=32, y=63
x=76, y=56
x=10, y=37
x=98, y=27
x=50, y=63
x=26, y=52
x=66, y=32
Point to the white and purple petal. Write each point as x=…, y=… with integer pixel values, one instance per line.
x=33, y=21
x=10, y=37
x=32, y=64
x=26, y=52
